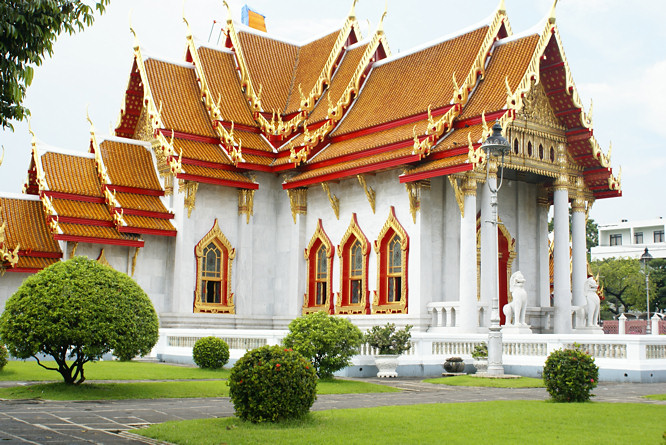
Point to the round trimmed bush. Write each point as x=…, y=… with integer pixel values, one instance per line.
x=570, y=375
x=271, y=383
x=210, y=352
x=3, y=356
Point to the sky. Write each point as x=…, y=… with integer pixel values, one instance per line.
x=614, y=49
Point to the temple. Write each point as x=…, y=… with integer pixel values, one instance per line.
x=260, y=179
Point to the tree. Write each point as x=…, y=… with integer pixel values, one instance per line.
x=328, y=341
x=28, y=29
x=78, y=310
x=591, y=232
x=623, y=282
x=658, y=279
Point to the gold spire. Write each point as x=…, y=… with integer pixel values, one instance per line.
x=2, y=158
x=551, y=15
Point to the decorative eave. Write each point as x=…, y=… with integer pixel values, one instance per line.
x=308, y=102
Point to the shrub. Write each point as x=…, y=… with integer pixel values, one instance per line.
x=271, y=383
x=387, y=340
x=76, y=311
x=3, y=356
x=329, y=342
x=210, y=352
x=570, y=375
x=480, y=352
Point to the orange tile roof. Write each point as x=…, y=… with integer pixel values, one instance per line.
x=176, y=91
x=372, y=140
x=26, y=225
x=144, y=222
x=271, y=64
x=311, y=60
x=201, y=151
x=219, y=67
x=253, y=140
x=458, y=138
x=129, y=165
x=424, y=77
x=28, y=262
x=109, y=233
x=342, y=166
x=71, y=174
x=141, y=202
x=80, y=209
x=509, y=61
x=339, y=82
x=256, y=159
x=439, y=163
x=214, y=173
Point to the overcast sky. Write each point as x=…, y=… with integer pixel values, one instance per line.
x=614, y=48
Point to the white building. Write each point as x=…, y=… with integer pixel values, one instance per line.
x=629, y=239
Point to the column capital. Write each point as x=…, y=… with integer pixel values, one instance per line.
x=542, y=196
x=469, y=185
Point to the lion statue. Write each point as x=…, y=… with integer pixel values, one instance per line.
x=591, y=301
x=516, y=309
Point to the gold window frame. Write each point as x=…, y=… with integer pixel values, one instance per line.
x=216, y=237
x=391, y=226
x=363, y=306
x=319, y=236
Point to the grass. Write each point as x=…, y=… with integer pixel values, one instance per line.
x=161, y=390
x=656, y=396
x=110, y=370
x=500, y=422
x=465, y=380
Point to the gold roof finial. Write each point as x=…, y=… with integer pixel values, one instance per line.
x=352, y=11
x=610, y=150
x=2, y=158
x=589, y=113
x=506, y=84
x=380, y=27
x=33, y=140
x=92, y=127
x=229, y=18
x=136, y=39
x=501, y=7
x=551, y=15
x=484, y=123
x=455, y=83
x=189, y=30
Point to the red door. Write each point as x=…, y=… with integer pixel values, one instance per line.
x=503, y=259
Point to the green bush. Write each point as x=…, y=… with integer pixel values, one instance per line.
x=210, y=352
x=329, y=342
x=387, y=340
x=480, y=351
x=3, y=356
x=271, y=383
x=76, y=311
x=570, y=375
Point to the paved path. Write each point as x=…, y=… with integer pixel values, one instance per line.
x=107, y=422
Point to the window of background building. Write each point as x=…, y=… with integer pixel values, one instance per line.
x=638, y=238
x=616, y=240
x=659, y=236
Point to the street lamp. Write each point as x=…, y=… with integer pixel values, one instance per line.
x=495, y=146
x=645, y=258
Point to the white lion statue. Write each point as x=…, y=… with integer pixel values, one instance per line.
x=591, y=301
x=516, y=309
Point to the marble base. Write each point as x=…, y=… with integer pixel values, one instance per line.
x=516, y=330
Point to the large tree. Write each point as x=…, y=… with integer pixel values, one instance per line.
x=591, y=232
x=658, y=278
x=623, y=281
x=76, y=311
x=28, y=30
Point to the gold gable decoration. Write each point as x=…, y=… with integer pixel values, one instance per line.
x=215, y=236
x=298, y=201
x=354, y=231
x=6, y=255
x=101, y=259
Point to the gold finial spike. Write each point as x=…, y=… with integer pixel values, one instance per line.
x=610, y=150
x=469, y=141
x=136, y=39
x=380, y=27
x=508, y=88
x=2, y=158
x=619, y=175
x=92, y=127
x=551, y=15
x=416, y=138
x=229, y=18
x=352, y=11
x=483, y=121
x=589, y=113
x=501, y=8
x=32, y=133
x=189, y=30
x=455, y=82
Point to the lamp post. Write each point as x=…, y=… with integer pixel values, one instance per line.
x=645, y=258
x=495, y=146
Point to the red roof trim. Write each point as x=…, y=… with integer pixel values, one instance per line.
x=208, y=164
x=353, y=171
x=437, y=172
x=135, y=190
x=40, y=254
x=23, y=269
x=475, y=120
x=608, y=194
x=81, y=221
x=146, y=213
x=239, y=127
x=359, y=155
x=74, y=197
x=256, y=167
x=188, y=136
x=225, y=182
x=146, y=231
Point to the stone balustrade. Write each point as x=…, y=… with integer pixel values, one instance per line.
x=444, y=313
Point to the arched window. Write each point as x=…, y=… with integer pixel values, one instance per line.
x=529, y=148
x=515, y=145
x=319, y=259
x=354, y=250
x=540, y=151
x=214, y=256
x=392, y=249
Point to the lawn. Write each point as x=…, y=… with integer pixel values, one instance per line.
x=466, y=380
x=161, y=390
x=111, y=370
x=657, y=396
x=501, y=422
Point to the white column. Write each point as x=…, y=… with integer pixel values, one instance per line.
x=543, y=286
x=578, y=255
x=468, y=319
x=562, y=287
